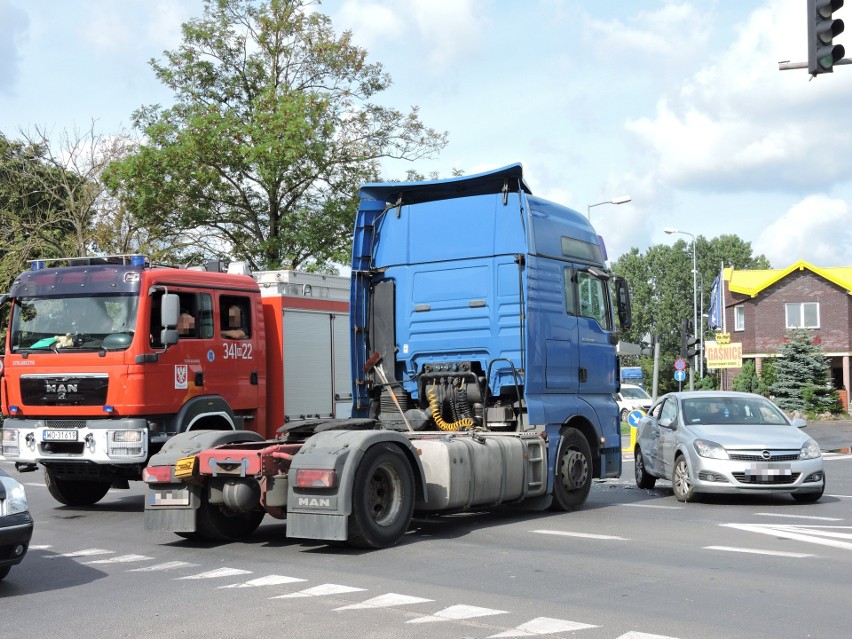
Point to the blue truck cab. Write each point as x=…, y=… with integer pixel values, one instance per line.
x=488, y=308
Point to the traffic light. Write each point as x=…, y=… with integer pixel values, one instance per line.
x=822, y=28
x=685, y=330
x=688, y=341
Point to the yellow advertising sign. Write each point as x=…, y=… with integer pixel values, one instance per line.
x=723, y=338
x=721, y=355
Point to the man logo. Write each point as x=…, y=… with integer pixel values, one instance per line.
x=314, y=502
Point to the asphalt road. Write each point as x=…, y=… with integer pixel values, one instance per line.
x=632, y=564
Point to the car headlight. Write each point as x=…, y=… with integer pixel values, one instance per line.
x=810, y=450
x=16, y=497
x=706, y=448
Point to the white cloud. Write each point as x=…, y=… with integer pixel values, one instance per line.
x=370, y=22
x=738, y=123
x=818, y=229
x=13, y=28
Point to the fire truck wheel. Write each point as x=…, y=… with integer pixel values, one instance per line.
x=382, y=498
x=573, y=478
x=75, y=493
x=217, y=523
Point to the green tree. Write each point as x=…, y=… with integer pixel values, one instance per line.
x=802, y=381
x=748, y=381
x=661, y=289
x=274, y=127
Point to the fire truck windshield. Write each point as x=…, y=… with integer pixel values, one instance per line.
x=82, y=323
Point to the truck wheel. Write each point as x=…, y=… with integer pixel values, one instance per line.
x=573, y=478
x=382, y=498
x=643, y=479
x=217, y=523
x=75, y=493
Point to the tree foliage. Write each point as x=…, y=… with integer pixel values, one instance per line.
x=802, y=375
x=273, y=129
x=661, y=288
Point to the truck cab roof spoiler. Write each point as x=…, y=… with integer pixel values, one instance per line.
x=507, y=179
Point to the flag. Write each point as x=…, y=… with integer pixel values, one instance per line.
x=714, y=315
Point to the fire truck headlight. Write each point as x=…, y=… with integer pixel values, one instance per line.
x=126, y=443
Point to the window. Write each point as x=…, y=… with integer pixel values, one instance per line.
x=802, y=315
x=739, y=318
x=234, y=317
x=592, y=295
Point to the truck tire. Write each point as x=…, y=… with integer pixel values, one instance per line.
x=218, y=523
x=382, y=498
x=75, y=493
x=573, y=477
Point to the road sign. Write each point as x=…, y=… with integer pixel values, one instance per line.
x=634, y=417
x=680, y=375
x=680, y=364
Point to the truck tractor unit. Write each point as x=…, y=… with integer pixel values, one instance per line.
x=483, y=364
x=107, y=358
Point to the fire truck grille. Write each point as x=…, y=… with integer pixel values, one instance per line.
x=65, y=390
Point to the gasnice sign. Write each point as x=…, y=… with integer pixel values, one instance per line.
x=724, y=355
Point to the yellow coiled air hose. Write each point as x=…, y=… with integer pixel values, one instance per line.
x=464, y=422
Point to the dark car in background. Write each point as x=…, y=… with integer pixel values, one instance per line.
x=16, y=524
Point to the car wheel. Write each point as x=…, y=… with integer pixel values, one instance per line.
x=4, y=571
x=643, y=479
x=624, y=414
x=681, y=485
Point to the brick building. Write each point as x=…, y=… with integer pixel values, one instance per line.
x=761, y=305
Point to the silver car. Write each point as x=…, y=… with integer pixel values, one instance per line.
x=726, y=442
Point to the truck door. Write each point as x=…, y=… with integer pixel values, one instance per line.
x=596, y=353
x=562, y=352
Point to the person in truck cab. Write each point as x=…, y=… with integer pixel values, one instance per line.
x=236, y=328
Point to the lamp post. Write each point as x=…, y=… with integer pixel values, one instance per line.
x=669, y=230
x=623, y=199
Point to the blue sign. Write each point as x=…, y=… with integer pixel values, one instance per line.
x=680, y=376
x=635, y=416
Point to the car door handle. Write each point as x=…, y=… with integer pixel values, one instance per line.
x=583, y=374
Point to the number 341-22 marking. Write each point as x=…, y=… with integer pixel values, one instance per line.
x=237, y=350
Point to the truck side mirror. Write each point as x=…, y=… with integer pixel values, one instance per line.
x=622, y=300
x=169, y=312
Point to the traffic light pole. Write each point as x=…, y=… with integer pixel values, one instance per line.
x=787, y=65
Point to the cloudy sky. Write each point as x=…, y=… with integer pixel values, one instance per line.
x=680, y=105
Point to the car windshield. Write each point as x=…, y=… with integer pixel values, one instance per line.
x=54, y=323
x=731, y=410
x=634, y=393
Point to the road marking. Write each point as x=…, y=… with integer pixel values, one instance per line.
x=89, y=552
x=758, y=551
x=653, y=506
x=457, y=613
x=835, y=456
x=799, y=516
x=642, y=635
x=564, y=533
x=41, y=547
x=834, y=536
x=841, y=496
x=219, y=572
x=321, y=591
x=169, y=565
x=543, y=626
x=123, y=559
x=386, y=601
x=269, y=580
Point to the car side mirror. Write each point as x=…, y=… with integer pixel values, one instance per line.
x=798, y=422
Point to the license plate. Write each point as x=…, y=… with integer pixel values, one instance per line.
x=765, y=471
x=167, y=498
x=59, y=436
x=184, y=467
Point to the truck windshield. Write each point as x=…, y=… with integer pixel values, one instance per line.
x=65, y=323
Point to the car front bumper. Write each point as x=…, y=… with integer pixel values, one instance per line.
x=15, y=534
x=727, y=476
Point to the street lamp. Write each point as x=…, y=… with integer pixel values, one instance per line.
x=669, y=230
x=616, y=200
